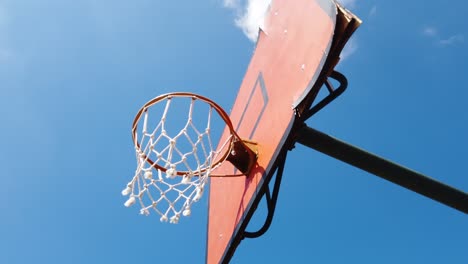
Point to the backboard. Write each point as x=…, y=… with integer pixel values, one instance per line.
x=296, y=50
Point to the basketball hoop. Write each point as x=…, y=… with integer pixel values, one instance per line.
x=169, y=176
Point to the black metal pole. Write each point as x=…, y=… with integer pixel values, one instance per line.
x=385, y=169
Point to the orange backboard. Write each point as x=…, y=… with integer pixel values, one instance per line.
x=293, y=52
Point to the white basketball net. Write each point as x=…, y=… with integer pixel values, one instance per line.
x=168, y=194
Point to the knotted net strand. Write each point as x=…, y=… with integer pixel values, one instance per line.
x=156, y=185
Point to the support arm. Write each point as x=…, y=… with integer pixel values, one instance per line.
x=385, y=169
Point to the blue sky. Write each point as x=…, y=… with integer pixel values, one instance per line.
x=74, y=73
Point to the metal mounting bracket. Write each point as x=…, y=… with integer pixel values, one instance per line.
x=333, y=94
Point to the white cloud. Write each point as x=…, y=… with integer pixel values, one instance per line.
x=231, y=3
x=373, y=11
x=250, y=15
x=348, y=3
x=430, y=31
x=253, y=18
x=350, y=48
x=452, y=40
x=433, y=33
